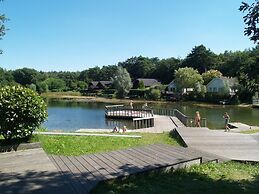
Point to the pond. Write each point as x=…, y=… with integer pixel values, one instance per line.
x=71, y=115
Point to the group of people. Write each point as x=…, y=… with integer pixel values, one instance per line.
x=197, y=120
x=118, y=130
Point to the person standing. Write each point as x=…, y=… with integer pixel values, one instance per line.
x=197, y=120
x=227, y=119
x=131, y=104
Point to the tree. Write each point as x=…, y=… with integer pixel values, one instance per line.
x=187, y=78
x=55, y=84
x=26, y=76
x=209, y=75
x=5, y=77
x=201, y=59
x=3, y=19
x=21, y=111
x=251, y=20
x=122, y=82
x=163, y=69
x=140, y=67
x=154, y=94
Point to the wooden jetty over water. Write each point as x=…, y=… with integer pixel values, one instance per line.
x=141, y=118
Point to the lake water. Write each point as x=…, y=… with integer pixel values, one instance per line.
x=70, y=116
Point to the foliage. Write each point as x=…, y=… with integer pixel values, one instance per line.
x=139, y=67
x=201, y=59
x=5, y=77
x=67, y=145
x=138, y=93
x=26, y=76
x=21, y=111
x=122, y=82
x=209, y=75
x=55, y=84
x=3, y=19
x=141, y=85
x=154, y=94
x=230, y=177
x=187, y=78
x=251, y=20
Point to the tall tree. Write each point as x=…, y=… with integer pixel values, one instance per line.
x=122, y=82
x=201, y=59
x=139, y=67
x=3, y=19
x=164, y=68
x=26, y=76
x=187, y=78
x=209, y=75
x=251, y=20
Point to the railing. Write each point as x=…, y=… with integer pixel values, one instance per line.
x=187, y=121
x=167, y=112
x=119, y=111
x=183, y=118
x=143, y=122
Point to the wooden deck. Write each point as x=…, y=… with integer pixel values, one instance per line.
x=87, y=171
x=33, y=172
x=30, y=172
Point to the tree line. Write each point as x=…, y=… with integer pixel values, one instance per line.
x=241, y=64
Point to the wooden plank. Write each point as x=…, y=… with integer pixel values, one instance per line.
x=97, y=167
x=77, y=187
x=97, y=175
x=77, y=173
x=101, y=161
x=168, y=156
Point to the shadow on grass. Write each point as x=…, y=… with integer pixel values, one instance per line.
x=178, y=182
x=175, y=135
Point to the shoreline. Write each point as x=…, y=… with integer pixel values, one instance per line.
x=77, y=98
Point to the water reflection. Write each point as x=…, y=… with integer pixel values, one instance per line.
x=70, y=115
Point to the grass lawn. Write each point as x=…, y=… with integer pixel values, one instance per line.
x=225, y=178
x=250, y=131
x=77, y=145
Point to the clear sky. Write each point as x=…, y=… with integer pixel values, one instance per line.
x=72, y=35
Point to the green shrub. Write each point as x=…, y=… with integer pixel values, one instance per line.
x=154, y=94
x=138, y=93
x=21, y=111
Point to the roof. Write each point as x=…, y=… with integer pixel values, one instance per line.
x=231, y=81
x=148, y=82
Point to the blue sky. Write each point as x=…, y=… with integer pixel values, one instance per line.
x=71, y=35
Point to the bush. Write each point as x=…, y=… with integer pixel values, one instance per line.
x=138, y=93
x=21, y=111
x=154, y=94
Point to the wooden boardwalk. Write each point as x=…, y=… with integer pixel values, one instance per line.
x=235, y=146
x=33, y=172
x=30, y=172
x=87, y=171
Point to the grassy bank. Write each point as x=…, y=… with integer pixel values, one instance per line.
x=250, y=131
x=75, y=145
x=230, y=177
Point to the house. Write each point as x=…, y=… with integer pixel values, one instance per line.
x=172, y=89
x=147, y=82
x=92, y=85
x=222, y=85
x=104, y=84
x=99, y=85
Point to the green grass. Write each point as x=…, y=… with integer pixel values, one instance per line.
x=250, y=131
x=77, y=145
x=229, y=178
